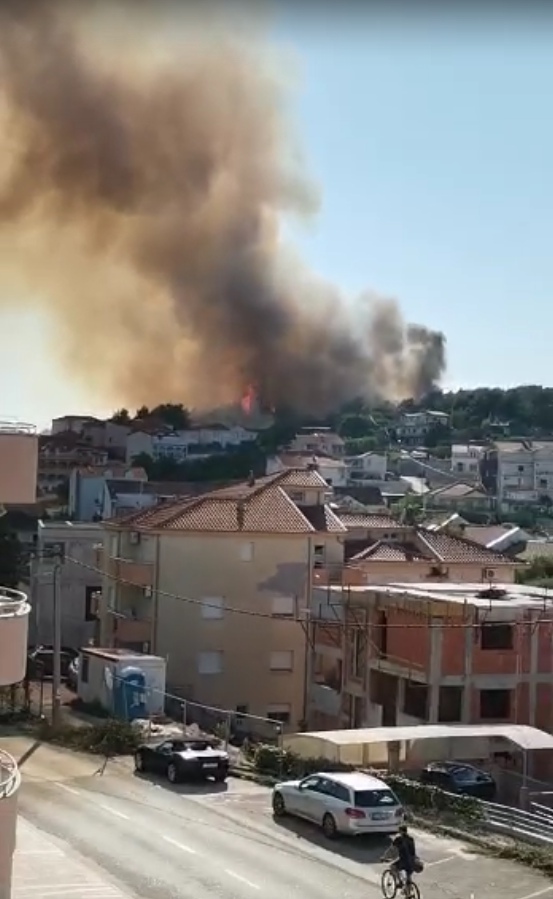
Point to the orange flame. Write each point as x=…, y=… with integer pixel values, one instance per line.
x=247, y=400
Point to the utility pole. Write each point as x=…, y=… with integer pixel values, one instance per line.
x=56, y=679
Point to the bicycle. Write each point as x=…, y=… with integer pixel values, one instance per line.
x=391, y=882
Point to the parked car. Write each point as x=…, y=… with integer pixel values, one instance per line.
x=40, y=661
x=458, y=777
x=348, y=803
x=186, y=759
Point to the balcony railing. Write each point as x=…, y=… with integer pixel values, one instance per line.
x=10, y=777
x=137, y=574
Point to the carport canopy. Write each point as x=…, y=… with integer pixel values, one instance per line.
x=368, y=746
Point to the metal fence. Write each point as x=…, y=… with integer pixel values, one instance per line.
x=535, y=826
x=15, y=701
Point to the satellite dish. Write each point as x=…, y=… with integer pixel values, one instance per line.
x=108, y=678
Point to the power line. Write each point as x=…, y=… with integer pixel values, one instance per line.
x=311, y=619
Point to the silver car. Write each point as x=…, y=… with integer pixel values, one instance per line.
x=349, y=803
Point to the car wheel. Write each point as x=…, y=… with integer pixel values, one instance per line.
x=329, y=827
x=279, y=807
x=172, y=774
x=138, y=762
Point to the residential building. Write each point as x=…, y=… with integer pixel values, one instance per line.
x=87, y=488
x=198, y=442
x=380, y=550
x=204, y=581
x=367, y=467
x=18, y=474
x=461, y=497
x=466, y=458
x=73, y=423
x=421, y=464
x=414, y=427
x=456, y=653
x=359, y=498
x=320, y=442
x=59, y=454
x=79, y=582
x=334, y=471
x=519, y=471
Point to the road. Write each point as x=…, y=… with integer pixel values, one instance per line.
x=112, y=835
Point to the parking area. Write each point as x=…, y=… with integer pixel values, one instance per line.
x=452, y=869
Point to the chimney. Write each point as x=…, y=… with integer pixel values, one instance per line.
x=240, y=512
x=251, y=479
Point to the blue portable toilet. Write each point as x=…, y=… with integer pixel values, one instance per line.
x=129, y=694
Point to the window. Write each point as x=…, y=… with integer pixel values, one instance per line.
x=358, y=651
x=296, y=496
x=282, y=660
x=83, y=669
x=210, y=662
x=415, y=702
x=496, y=636
x=246, y=552
x=212, y=607
x=495, y=705
x=91, y=603
x=283, y=606
x=279, y=712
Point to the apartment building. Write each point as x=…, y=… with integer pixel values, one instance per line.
x=380, y=550
x=519, y=472
x=318, y=441
x=367, y=467
x=88, y=486
x=18, y=476
x=334, y=471
x=414, y=427
x=198, y=441
x=79, y=582
x=453, y=653
x=465, y=459
x=59, y=454
x=174, y=576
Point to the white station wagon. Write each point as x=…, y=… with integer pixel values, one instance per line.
x=341, y=803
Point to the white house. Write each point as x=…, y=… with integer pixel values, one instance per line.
x=196, y=442
x=334, y=471
x=318, y=441
x=367, y=467
x=465, y=459
x=524, y=471
x=413, y=427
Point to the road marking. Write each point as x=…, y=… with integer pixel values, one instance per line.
x=181, y=846
x=538, y=893
x=449, y=858
x=68, y=789
x=239, y=877
x=114, y=811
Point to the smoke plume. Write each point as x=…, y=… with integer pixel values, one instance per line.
x=144, y=180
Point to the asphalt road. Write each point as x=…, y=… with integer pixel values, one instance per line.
x=84, y=833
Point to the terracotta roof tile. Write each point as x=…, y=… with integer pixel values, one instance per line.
x=366, y=520
x=389, y=552
x=457, y=549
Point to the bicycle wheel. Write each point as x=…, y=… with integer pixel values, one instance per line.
x=412, y=891
x=388, y=884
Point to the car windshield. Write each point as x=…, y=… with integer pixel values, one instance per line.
x=467, y=775
x=194, y=745
x=374, y=798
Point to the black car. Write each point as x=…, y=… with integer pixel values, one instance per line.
x=185, y=759
x=40, y=661
x=461, y=778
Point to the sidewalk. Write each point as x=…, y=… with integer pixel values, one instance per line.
x=44, y=868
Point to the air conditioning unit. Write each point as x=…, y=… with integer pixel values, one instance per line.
x=148, y=592
x=134, y=538
x=489, y=574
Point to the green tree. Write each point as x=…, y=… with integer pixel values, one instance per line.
x=355, y=427
x=121, y=417
x=172, y=414
x=12, y=558
x=538, y=572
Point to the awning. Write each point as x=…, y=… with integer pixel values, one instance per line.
x=369, y=745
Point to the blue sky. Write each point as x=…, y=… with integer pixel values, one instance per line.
x=432, y=144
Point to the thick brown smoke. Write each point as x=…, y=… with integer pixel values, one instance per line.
x=141, y=192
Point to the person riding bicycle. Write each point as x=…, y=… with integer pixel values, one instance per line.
x=406, y=851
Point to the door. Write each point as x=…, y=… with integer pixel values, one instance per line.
x=162, y=756
x=302, y=799
x=313, y=798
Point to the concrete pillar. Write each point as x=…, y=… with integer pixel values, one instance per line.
x=10, y=780
x=435, y=672
x=533, y=679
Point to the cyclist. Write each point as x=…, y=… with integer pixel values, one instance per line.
x=406, y=855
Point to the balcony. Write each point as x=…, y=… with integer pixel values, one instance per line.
x=325, y=699
x=136, y=574
x=18, y=462
x=14, y=626
x=131, y=631
x=10, y=780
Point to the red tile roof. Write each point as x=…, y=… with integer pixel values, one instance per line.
x=262, y=506
x=389, y=552
x=366, y=520
x=447, y=548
